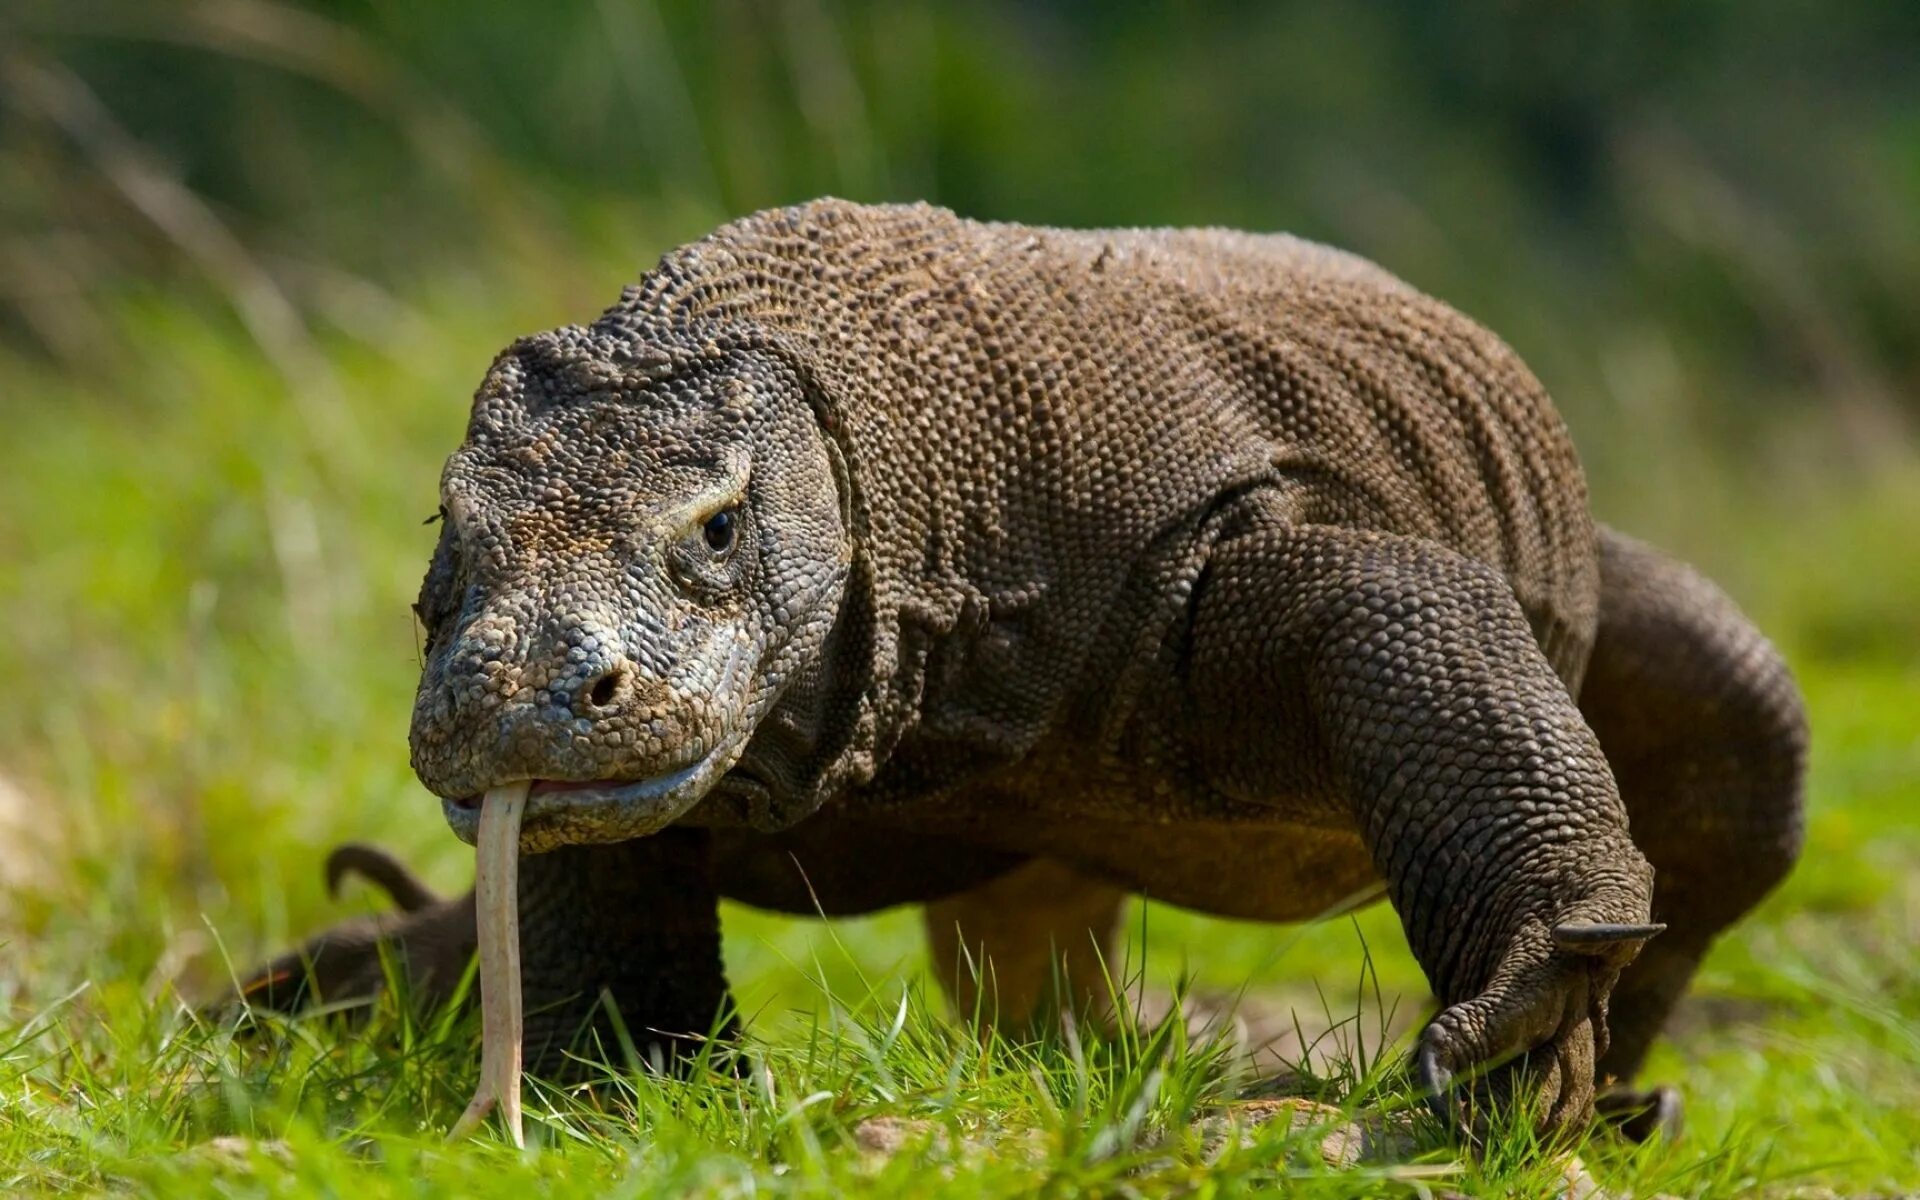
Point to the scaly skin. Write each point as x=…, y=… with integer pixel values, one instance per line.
x=880, y=553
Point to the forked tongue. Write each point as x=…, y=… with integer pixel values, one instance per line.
x=497, y=912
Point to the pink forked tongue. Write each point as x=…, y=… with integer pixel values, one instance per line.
x=497, y=911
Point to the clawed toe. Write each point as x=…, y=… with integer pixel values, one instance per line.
x=1542, y=1024
x=1642, y=1114
x=1434, y=1070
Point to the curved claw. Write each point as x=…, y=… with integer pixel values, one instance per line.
x=1594, y=937
x=1436, y=1080
x=1641, y=1116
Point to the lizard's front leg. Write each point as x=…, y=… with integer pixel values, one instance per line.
x=628, y=935
x=630, y=928
x=1405, y=676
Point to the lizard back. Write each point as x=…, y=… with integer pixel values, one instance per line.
x=1040, y=423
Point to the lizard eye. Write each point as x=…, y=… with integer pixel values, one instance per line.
x=720, y=532
x=708, y=557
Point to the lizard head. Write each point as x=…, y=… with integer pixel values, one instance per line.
x=640, y=547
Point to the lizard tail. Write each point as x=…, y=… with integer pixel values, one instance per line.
x=379, y=867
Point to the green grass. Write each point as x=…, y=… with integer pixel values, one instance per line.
x=205, y=564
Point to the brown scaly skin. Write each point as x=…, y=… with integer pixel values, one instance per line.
x=905, y=559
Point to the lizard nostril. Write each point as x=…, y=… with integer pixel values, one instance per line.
x=602, y=691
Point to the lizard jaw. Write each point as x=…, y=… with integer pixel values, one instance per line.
x=570, y=812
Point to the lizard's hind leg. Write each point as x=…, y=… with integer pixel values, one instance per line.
x=1707, y=737
x=1018, y=949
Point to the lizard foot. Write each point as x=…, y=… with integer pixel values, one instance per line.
x=1531, y=1038
x=1642, y=1114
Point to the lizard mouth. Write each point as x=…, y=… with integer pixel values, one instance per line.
x=562, y=812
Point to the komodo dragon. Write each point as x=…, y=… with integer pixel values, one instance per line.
x=863, y=556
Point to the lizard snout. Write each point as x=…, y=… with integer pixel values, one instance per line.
x=617, y=735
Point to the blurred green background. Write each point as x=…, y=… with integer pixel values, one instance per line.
x=1696, y=220
x=255, y=255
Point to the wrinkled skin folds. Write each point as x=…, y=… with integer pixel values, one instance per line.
x=866, y=556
